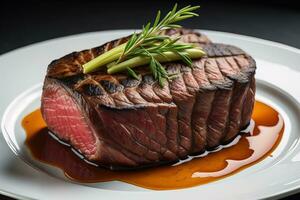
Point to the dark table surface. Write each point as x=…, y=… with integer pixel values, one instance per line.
x=27, y=22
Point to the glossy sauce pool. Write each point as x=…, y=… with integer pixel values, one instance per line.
x=263, y=136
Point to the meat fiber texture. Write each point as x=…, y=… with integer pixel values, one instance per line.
x=123, y=123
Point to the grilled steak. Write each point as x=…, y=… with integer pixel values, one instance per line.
x=121, y=123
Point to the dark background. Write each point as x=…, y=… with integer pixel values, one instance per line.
x=26, y=22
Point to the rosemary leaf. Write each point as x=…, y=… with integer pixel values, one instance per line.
x=157, y=19
x=153, y=68
x=174, y=9
x=132, y=73
x=174, y=26
x=185, y=58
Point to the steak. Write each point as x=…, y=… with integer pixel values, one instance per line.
x=123, y=123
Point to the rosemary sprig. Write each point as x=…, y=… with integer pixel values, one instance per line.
x=151, y=33
x=148, y=36
x=150, y=47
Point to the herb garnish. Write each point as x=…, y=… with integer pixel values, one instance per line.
x=151, y=34
x=150, y=47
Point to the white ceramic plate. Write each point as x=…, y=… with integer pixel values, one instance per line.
x=22, y=71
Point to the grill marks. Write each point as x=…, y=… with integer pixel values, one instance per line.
x=113, y=93
x=192, y=87
x=155, y=139
x=230, y=67
x=125, y=93
x=217, y=119
x=191, y=111
x=248, y=104
x=123, y=131
x=168, y=114
x=202, y=105
x=184, y=101
x=147, y=90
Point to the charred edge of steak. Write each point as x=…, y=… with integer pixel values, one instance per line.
x=146, y=125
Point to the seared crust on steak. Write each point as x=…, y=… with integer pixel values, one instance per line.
x=137, y=123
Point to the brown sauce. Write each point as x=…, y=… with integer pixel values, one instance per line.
x=246, y=150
